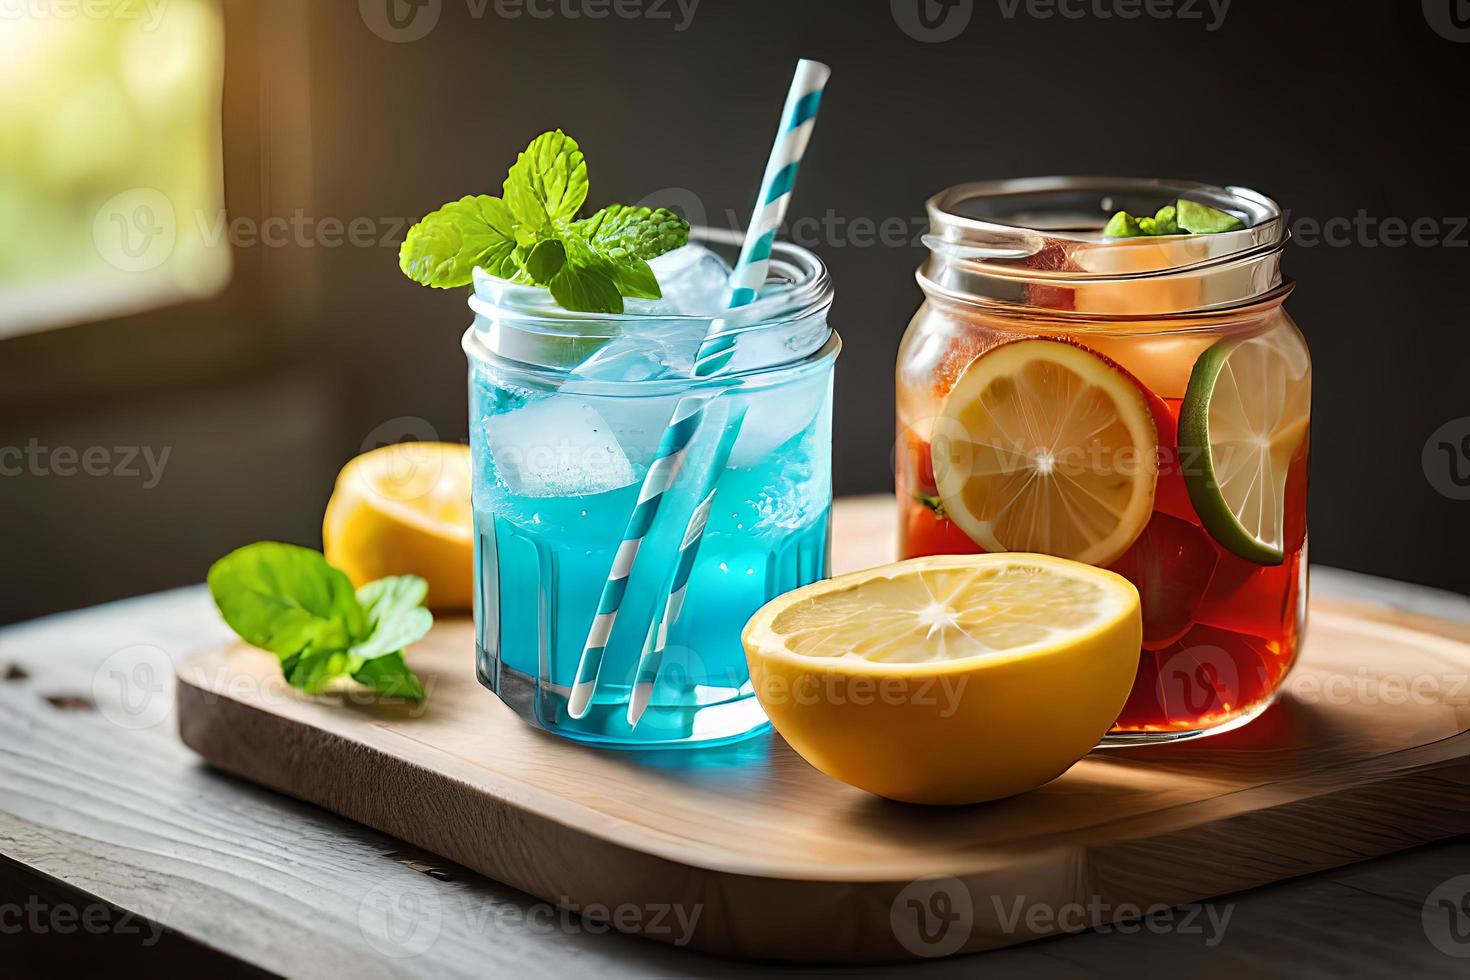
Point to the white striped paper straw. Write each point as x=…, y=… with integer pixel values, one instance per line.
x=713, y=357
x=797, y=122
x=658, y=633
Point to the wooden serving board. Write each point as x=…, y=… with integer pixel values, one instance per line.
x=1367, y=752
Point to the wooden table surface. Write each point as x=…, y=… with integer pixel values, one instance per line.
x=120, y=848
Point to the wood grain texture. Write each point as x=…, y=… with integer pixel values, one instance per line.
x=127, y=814
x=780, y=862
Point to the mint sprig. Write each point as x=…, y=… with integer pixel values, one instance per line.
x=531, y=235
x=289, y=601
x=1183, y=218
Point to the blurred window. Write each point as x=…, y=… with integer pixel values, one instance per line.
x=111, y=191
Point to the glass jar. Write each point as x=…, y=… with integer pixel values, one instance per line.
x=1140, y=404
x=567, y=413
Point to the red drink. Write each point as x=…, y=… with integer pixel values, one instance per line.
x=1114, y=421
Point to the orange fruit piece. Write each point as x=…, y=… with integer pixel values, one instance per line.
x=406, y=510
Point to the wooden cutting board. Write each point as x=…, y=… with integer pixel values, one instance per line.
x=747, y=851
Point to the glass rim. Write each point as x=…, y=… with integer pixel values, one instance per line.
x=1064, y=217
x=810, y=290
x=1037, y=243
x=752, y=378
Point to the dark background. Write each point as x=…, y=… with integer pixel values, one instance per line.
x=263, y=392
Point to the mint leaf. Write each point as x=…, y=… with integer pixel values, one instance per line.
x=618, y=231
x=1201, y=219
x=554, y=171
x=588, y=282
x=444, y=248
x=545, y=260
x=934, y=504
x=531, y=235
x=394, y=608
x=1123, y=225
x=1185, y=218
x=636, y=280
x=291, y=602
x=531, y=217
x=1166, y=221
x=314, y=671
x=390, y=675
x=284, y=599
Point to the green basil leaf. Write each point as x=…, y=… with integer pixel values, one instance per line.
x=389, y=675
x=314, y=671
x=395, y=613
x=284, y=599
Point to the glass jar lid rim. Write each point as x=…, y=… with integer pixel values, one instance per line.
x=1054, y=225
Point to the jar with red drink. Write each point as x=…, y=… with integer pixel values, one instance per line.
x=1137, y=403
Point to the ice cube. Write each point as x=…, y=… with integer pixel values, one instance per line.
x=557, y=447
x=694, y=280
x=776, y=417
x=647, y=349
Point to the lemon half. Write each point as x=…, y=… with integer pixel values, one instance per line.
x=948, y=680
x=405, y=510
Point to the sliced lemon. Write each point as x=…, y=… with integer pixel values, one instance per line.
x=405, y=510
x=1245, y=418
x=947, y=680
x=1043, y=446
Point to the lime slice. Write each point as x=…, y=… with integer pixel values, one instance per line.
x=1244, y=419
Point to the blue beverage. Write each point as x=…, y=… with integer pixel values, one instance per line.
x=566, y=413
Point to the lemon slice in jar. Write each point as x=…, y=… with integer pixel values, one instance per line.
x=1043, y=446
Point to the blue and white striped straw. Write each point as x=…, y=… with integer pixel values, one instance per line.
x=658, y=633
x=797, y=122
x=714, y=356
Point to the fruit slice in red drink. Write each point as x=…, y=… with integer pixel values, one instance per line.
x=1043, y=446
x=1204, y=679
x=1171, y=564
x=1243, y=423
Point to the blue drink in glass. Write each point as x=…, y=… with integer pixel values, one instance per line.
x=566, y=413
